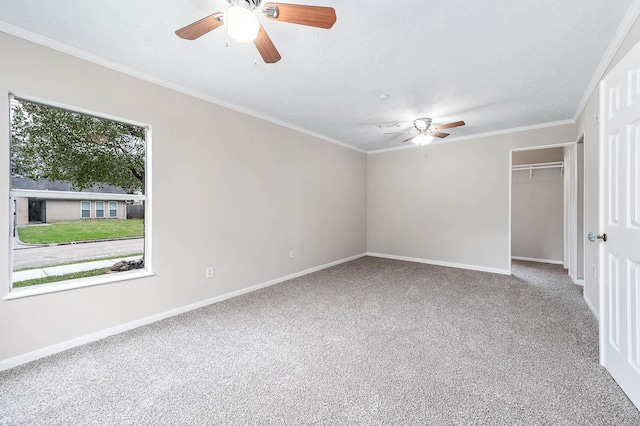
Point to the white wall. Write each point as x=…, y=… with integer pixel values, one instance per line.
x=537, y=215
x=451, y=207
x=229, y=190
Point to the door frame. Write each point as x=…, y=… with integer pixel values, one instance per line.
x=568, y=220
x=576, y=210
x=43, y=210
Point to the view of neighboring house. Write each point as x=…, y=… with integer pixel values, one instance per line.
x=40, y=210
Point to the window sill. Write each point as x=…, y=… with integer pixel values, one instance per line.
x=17, y=293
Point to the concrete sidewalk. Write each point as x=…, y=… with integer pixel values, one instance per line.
x=67, y=269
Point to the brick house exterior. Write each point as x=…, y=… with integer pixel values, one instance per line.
x=37, y=210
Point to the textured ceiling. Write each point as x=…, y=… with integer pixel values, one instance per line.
x=497, y=64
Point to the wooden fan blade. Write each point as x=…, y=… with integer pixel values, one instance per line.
x=201, y=27
x=408, y=139
x=266, y=47
x=450, y=125
x=313, y=16
x=438, y=134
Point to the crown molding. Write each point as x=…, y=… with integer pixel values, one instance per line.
x=625, y=26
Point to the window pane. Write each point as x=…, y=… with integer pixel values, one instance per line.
x=85, y=209
x=99, y=209
x=59, y=150
x=56, y=151
x=41, y=249
x=113, y=209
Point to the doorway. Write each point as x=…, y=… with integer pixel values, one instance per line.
x=37, y=211
x=550, y=180
x=537, y=205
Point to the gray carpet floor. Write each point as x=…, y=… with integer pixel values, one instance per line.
x=373, y=341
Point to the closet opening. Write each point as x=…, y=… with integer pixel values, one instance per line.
x=547, y=206
x=537, y=205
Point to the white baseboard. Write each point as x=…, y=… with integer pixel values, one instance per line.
x=591, y=307
x=442, y=263
x=533, y=259
x=63, y=346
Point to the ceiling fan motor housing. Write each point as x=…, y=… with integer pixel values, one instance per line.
x=422, y=123
x=252, y=3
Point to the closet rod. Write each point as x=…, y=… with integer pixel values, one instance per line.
x=536, y=166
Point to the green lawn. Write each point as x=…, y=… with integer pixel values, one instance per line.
x=78, y=262
x=80, y=230
x=56, y=278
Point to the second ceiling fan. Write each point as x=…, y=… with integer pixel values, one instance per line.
x=242, y=23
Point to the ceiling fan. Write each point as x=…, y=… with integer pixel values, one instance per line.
x=242, y=23
x=423, y=133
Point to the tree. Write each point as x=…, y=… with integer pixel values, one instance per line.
x=84, y=150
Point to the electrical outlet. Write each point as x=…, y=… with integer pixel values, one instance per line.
x=292, y=254
x=209, y=272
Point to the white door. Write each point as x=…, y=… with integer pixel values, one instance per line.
x=620, y=219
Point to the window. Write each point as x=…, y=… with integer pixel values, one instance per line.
x=113, y=209
x=99, y=209
x=59, y=158
x=85, y=209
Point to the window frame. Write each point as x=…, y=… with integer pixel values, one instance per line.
x=95, y=209
x=19, y=292
x=109, y=209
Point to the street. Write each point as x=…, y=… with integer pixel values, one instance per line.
x=28, y=257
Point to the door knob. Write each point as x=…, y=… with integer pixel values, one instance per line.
x=592, y=236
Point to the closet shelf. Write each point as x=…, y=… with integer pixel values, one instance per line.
x=537, y=166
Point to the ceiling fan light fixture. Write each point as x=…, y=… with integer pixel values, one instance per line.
x=423, y=138
x=242, y=24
